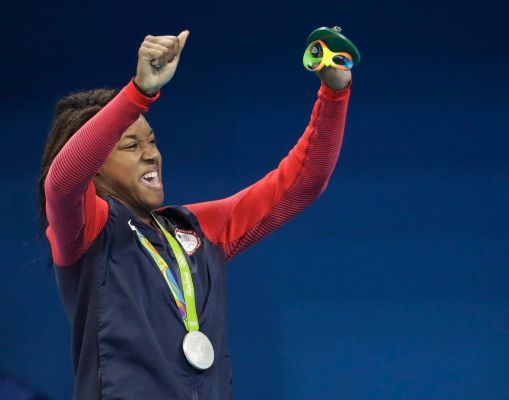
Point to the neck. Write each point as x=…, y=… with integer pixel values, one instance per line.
x=103, y=189
x=143, y=215
x=146, y=220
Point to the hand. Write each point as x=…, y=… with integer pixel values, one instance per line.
x=335, y=78
x=158, y=57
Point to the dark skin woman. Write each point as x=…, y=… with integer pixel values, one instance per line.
x=138, y=280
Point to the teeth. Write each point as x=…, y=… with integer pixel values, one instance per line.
x=151, y=174
x=152, y=179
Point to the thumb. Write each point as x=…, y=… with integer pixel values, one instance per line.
x=182, y=37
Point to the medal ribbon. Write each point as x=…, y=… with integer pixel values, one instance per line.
x=186, y=303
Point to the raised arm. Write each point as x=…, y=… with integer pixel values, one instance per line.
x=236, y=222
x=75, y=214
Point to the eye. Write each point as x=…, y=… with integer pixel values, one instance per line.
x=342, y=60
x=131, y=146
x=153, y=141
x=316, y=50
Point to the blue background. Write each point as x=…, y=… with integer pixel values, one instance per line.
x=393, y=285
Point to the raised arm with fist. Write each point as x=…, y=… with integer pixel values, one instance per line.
x=158, y=58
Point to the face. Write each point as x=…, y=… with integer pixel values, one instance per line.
x=132, y=172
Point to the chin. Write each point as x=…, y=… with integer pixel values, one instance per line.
x=154, y=203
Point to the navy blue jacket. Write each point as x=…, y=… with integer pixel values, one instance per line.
x=127, y=330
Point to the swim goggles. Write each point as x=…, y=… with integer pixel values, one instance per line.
x=318, y=55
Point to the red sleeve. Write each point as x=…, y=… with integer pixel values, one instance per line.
x=236, y=222
x=75, y=213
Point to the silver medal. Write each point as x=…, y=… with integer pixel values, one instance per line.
x=198, y=350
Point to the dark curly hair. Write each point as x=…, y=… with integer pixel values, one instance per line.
x=71, y=113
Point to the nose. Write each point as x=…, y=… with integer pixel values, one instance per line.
x=150, y=153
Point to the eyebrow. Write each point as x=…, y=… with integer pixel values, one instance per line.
x=134, y=136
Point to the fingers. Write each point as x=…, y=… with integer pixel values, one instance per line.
x=182, y=37
x=157, y=54
x=160, y=50
x=335, y=78
x=170, y=42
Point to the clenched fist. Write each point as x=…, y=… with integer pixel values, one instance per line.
x=335, y=78
x=158, y=57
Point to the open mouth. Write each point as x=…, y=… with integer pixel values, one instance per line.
x=152, y=180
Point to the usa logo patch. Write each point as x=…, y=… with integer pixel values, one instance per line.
x=189, y=240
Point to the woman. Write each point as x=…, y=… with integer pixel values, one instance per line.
x=148, y=312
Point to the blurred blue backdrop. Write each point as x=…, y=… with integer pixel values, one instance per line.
x=393, y=285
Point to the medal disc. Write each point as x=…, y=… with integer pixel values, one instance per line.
x=198, y=350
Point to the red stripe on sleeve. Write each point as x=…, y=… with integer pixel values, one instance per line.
x=75, y=214
x=239, y=221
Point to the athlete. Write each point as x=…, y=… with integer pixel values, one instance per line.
x=144, y=285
